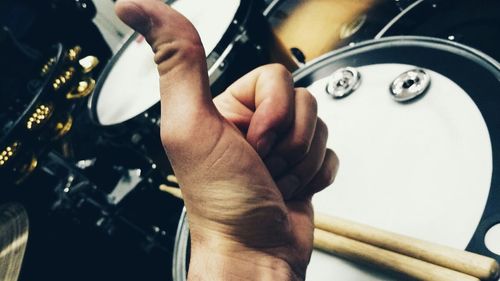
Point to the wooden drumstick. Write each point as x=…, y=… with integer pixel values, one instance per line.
x=174, y=191
x=470, y=263
x=172, y=178
x=368, y=244
x=361, y=252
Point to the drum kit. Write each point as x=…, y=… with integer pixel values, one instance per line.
x=408, y=89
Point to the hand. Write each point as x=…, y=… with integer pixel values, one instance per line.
x=248, y=221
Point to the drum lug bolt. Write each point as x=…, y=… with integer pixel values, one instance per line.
x=343, y=82
x=410, y=85
x=8, y=153
x=63, y=78
x=73, y=53
x=47, y=67
x=63, y=126
x=88, y=63
x=39, y=116
x=83, y=89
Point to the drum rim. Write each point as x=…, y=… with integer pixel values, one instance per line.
x=410, y=11
x=240, y=18
x=396, y=19
x=180, y=247
x=401, y=40
x=179, y=271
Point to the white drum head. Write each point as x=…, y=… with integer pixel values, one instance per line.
x=132, y=86
x=421, y=169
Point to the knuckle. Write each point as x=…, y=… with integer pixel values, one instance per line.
x=307, y=98
x=299, y=147
x=322, y=128
x=169, y=55
x=331, y=167
x=326, y=177
x=173, y=137
x=168, y=138
x=278, y=70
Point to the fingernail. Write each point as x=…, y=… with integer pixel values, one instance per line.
x=265, y=143
x=276, y=165
x=288, y=185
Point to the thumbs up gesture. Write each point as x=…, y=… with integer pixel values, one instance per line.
x=248, y=162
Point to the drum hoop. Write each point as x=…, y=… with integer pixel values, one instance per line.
x=437, y=7
x=271, y=8
x=179, y=256
x=240, y=19
x=396, y=19
x=396, y=41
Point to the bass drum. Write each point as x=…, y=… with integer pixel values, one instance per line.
x=415, y=124
x=473, y=23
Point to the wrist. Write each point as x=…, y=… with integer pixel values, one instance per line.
x=238, y=265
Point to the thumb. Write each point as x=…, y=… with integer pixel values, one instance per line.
x=186, y=103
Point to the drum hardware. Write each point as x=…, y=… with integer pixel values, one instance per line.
x=23, y=165
x=114, y=212
x=492, y=239
x=47, y=67
x=63, y=126
x=8, y=153
x=410, y=85
x=74, y=53
x=343, y=82
x=43, y=116
x=349, y=29
x=26, y=170
x=84, y=88
x=403, y=4
x=298, y=56
x=88, y=63
x=40, y=116
x=63, y=78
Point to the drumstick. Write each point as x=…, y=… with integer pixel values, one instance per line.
x=381, y=242
x=470, y=263
x=172, y=178
x=361, y=252
x=174, y=191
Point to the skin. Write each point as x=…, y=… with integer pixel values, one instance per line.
x=248, y=162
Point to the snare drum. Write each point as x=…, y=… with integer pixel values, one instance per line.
x=125, y=103
x=415, y=124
